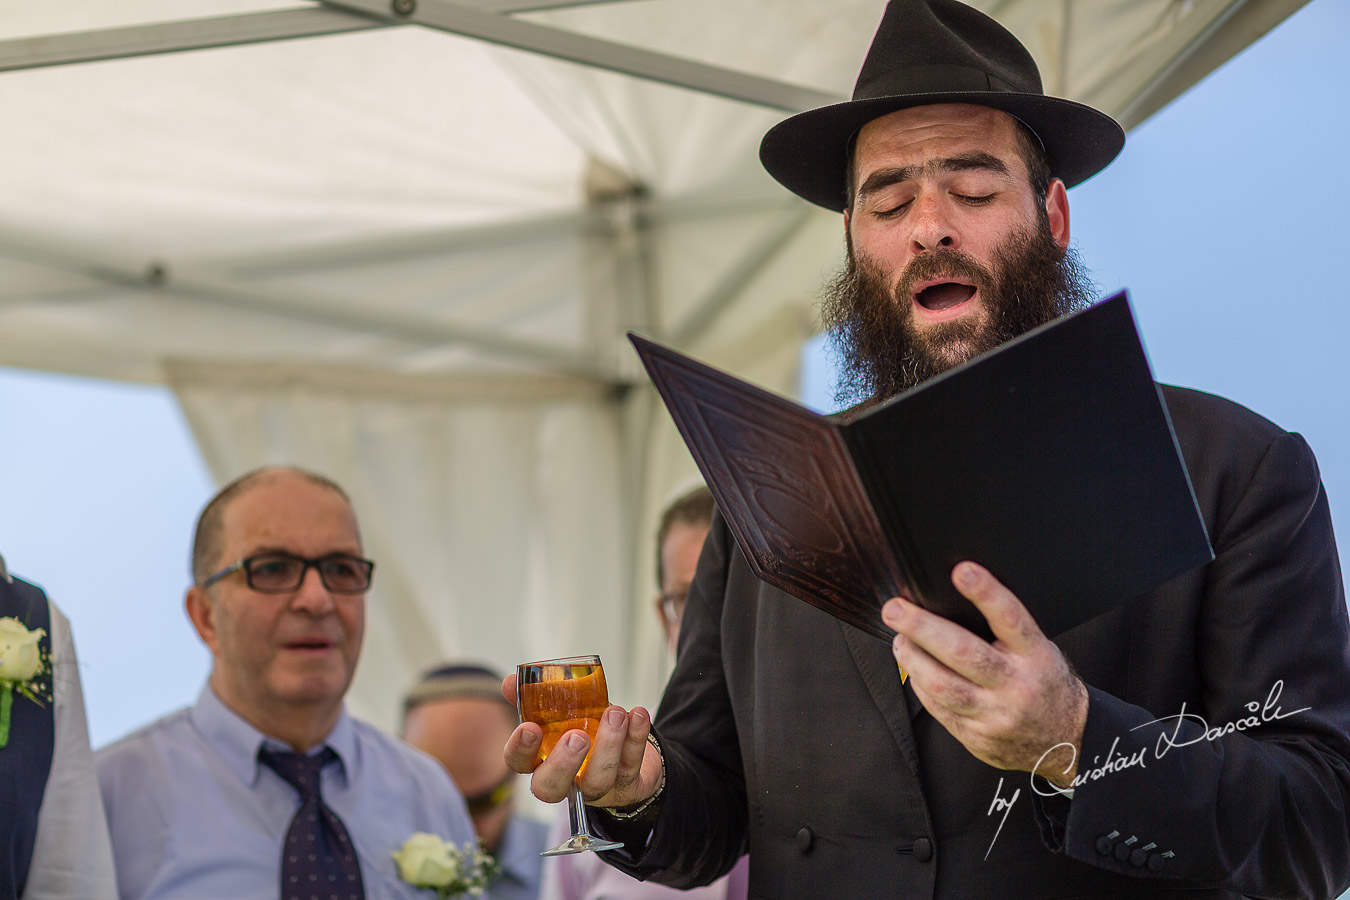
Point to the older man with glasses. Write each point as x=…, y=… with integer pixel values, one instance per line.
x=267, y=782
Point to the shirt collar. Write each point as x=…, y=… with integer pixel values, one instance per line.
x=237, y=742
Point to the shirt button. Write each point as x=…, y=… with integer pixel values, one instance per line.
x=923, y=849
x=804, y=840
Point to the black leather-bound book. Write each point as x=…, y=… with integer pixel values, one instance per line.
x=1049, y=460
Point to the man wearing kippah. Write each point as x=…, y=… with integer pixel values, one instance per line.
x=456, y=713
x=1192, y=742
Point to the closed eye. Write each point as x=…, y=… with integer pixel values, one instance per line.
x=982, y=200
x=892, y=212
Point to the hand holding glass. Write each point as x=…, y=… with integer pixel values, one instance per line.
x=559, y=695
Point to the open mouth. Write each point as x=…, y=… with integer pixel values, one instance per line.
x=944, y=295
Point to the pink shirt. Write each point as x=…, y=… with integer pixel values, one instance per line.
x=585, y=876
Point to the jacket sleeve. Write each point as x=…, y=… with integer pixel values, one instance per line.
x=701, y=829
x=1248, y=788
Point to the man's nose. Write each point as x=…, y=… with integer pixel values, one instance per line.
x=312, y=597
x=933, y=228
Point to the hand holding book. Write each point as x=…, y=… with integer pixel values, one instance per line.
x=1014, y=703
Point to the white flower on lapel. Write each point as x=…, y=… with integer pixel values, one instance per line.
x=426, y=861
x=20, y=658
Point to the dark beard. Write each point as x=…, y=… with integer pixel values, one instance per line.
x=879, y=352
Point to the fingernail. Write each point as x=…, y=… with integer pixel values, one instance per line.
x=639, y=716
x=966, y=575
x=529, y=738
x=614, y=717
x=898, y=643
x=894, y=608
x=576, y=741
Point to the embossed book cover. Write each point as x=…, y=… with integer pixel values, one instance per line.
x=1050, y=460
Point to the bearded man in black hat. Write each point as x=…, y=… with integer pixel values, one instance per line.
x=1196, y=739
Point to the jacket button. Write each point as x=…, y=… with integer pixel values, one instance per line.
x=1122, y=852
x=1138, y=858
x=923, y=849
x=804, y=840
x=1106, y=843
x=1155, y=862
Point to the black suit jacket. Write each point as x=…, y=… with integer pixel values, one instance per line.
x=787, y=732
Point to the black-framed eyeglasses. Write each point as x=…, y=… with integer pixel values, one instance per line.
x=281, y=573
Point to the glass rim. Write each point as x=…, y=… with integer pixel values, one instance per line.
x=589, y=659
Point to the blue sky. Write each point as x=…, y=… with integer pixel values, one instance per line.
x=1223, y=217
x=100, y=484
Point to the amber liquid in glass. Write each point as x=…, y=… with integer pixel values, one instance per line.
x=560, y=697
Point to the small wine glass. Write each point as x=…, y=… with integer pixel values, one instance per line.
x=559, y=695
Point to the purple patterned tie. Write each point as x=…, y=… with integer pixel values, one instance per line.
x=318, y=861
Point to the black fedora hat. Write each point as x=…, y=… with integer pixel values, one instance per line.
x=937, y=51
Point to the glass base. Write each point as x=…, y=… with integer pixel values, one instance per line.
x=581, y=843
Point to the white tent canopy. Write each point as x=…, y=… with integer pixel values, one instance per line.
x=400, y=243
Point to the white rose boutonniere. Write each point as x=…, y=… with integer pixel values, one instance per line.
x=426, y=861
x=23, y=662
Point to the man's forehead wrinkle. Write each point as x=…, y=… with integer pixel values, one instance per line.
x=964, y=162
x=322, y=521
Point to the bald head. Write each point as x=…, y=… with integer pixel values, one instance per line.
x=206, y=543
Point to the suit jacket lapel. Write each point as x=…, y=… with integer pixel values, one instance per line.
x=898, y=705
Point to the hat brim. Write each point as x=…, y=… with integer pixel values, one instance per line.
x=809, y=153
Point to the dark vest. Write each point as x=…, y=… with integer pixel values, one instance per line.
x=27, y=760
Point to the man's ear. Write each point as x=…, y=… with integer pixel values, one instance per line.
x=1057, y=210
x=202, y=611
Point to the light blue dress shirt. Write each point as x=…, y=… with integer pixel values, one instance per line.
x=522, y=866
x=195, y=816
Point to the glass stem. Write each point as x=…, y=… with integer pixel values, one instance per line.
x=576, y=811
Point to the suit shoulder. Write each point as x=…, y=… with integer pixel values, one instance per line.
x=1211, y=415
x=1229, y=450
x=1218, y=435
